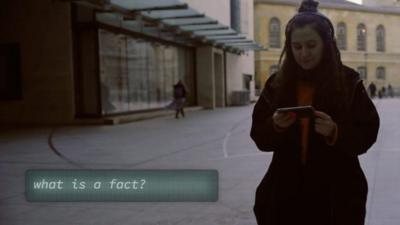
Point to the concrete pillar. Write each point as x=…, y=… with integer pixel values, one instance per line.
x=219, y=77
x=210, y=77
x=87, y=77
x=205, y=77
x=235, y=15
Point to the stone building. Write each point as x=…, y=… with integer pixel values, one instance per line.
x=367, y=36
x=62, y=61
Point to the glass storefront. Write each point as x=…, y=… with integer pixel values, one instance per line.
x=138, y=74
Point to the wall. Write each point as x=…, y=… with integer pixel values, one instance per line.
x=236, y=65
x=205, y=77
x=43, y=30
x=262, y=15
x=371, y=58
x=381, y=2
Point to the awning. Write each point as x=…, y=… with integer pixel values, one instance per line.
x=170, y=20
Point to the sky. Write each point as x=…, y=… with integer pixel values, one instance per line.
x=355, y=1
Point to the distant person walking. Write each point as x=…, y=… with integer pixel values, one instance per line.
x=372, y=89
x=179, y=98
x=390, y=91
x=383, y=90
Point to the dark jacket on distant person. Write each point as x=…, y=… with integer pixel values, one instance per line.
x=179, y=90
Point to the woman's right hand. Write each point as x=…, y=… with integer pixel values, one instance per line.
x=283, y=120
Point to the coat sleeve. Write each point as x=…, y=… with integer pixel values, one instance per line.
x=262, y=129
x=359, y=132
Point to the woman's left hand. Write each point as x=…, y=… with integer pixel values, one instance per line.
x=324, y=124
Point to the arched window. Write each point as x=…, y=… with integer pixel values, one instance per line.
x=273, y=69
x=380, y=73
x=342, y=36
x=361, y=37
x=274, y=33
x=362, y=70
x=380, y=38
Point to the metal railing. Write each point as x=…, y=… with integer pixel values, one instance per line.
x=240, y=98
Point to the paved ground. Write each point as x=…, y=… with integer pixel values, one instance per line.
x=216, y=139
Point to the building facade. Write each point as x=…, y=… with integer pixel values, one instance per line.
x=367, y=36
x=61, y=61
x=380, y=3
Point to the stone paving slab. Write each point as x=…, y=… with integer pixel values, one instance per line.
x=205, y=139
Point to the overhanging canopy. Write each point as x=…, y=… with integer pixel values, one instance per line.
x=170, y=20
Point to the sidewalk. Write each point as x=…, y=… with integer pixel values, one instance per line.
x=205, y=139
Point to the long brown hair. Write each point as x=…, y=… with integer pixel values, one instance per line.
x=330, y=80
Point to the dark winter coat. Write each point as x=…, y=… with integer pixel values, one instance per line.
x=331, y=188
x=179, y=91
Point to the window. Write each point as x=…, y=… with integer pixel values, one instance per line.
x=10, y=74
x=361, y=37
x=274, y=33
x=380, y=73
x=342, y=36
x=380, y=38
x=273, y=69
x=362, y=70
x=137, y=74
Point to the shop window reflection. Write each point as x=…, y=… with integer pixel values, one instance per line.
x=139, y=74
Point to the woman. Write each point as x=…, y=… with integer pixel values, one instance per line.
x=179, y=98
x=314, y=176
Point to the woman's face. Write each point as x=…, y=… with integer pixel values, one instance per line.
x=307, y=47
